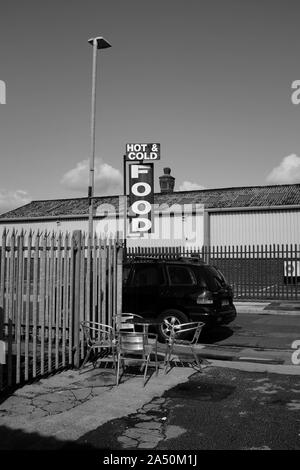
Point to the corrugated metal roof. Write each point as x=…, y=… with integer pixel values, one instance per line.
x=220, y=198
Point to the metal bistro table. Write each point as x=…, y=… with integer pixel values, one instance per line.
x=146, y=324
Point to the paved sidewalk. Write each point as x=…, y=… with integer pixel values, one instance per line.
x=54, y=412
x=208, y=352
x=283, y=307
x=245, y=354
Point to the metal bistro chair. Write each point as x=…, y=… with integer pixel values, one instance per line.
x=135, y=346
x=126, y=322
x=101, y=338
x=178, y=336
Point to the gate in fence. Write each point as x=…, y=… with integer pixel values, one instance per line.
x=267, y=272
x=48, y=284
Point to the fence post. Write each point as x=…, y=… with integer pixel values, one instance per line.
x=76, y=290
x=2, y=290
x=119, y=279
x=2, y=346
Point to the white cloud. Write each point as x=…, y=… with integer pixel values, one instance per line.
x=12, y=199
x=189, y=186
x=288, y=171
x=108, y=180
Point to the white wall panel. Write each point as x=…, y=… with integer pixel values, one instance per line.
x=169, y=231
x=254, y=227
x=226, y=228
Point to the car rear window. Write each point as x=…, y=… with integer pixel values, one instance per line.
x=209, y=277
x=180, y=275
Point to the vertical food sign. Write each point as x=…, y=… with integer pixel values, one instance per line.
x=141, y=186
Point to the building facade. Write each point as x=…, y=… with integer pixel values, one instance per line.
x=255, y=215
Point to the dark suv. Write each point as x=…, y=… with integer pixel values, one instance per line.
x=178, y=290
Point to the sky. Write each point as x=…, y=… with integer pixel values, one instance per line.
x=210, y=80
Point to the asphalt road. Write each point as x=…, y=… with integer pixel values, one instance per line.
x=256, y=331
x=220, y=409
x=235, y=410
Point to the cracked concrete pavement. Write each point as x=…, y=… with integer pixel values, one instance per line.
x=149, y=429
x=70, y=404
x=87, y=411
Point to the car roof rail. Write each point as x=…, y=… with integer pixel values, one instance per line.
x=168, y=257
x=191, y=259
x=162, y=257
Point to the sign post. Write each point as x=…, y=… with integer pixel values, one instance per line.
x=2, y=352
x=125, y=201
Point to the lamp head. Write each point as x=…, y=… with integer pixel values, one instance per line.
x=101, y=42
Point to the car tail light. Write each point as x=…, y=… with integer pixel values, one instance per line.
x=205, y=297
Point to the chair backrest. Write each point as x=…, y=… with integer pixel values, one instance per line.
x=94, y=331
x=133, y=342
x=125, y=321
x=184, y=328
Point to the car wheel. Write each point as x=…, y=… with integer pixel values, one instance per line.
x=174, y=317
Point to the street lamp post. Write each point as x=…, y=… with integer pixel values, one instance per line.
x=97, y=43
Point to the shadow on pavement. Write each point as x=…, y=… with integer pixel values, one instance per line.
x=15, y=440
x=216, y=334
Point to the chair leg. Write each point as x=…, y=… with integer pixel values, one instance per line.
x=86, y=358
x=146, y=368
x=196, y=359
x=167, y=360
x=168, y=356
x=95, y=360
x=116, y=372
x=118, y=369
x=114, y=357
